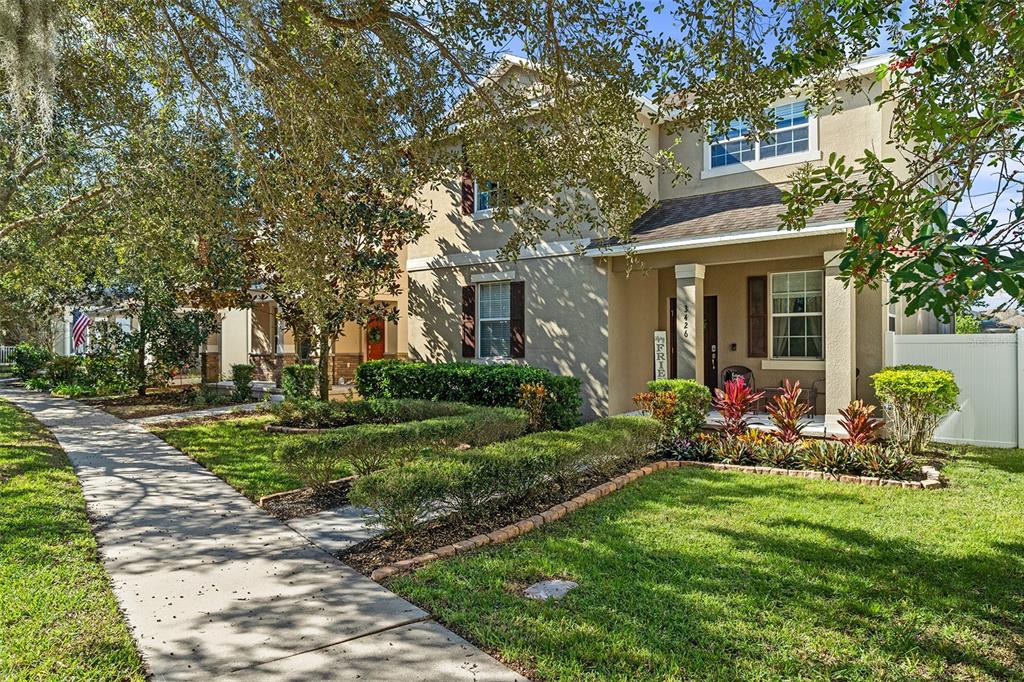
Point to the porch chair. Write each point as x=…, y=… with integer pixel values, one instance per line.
x=738, y=372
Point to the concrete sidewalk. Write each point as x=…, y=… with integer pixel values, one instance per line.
x=214, y=587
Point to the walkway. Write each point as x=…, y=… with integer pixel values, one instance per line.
x=206, y=413
x=215, y=588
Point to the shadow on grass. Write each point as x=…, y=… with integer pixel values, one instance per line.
x=700, y=575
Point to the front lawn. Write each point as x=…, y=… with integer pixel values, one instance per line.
x=238, y=450
x=58, y=616
x=705, y=575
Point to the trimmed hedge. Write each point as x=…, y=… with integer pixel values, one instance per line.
x=242, y=377
x=298, y=381
x=329, y=414
x=693, y=401
x=488, y=385
x=368, y=447
x=914, y=399
x=29, y=359
x=469, y=482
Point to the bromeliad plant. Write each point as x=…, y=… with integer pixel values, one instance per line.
x=734, y=403
x=860, y=426
x=788, y=413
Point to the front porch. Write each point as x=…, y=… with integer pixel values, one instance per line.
x=259, y=337
x=769, y=311
x=816, y=426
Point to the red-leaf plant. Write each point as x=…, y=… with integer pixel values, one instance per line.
x=860, y=426
x=734, y=403
x=787, y=412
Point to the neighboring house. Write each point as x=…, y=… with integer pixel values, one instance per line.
x=62, y=324
x=711, y=271
x=998, y=321
x=258, y=336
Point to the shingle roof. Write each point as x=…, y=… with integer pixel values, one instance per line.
x=752, y=209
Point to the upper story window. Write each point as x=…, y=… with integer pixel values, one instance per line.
x=485, y=195
x=798, y=314
x=794, y=139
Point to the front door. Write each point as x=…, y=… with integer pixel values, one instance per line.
x=375, y=339
x=672, y=339
x=711, y=342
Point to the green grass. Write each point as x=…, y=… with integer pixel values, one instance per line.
x=692, y=574
x=58, y=616
x=240, y=451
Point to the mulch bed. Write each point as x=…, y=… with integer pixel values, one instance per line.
x=387, y=549
x=296, y=503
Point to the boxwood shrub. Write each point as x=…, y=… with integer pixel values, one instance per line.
x=693, y=400
x=501, y=473
x=368, y=447
x=29, y=359
x=328, y=414
x=914, y=399
x=298, y=381
x=489, y=385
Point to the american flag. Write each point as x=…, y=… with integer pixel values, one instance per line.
x=80, y=324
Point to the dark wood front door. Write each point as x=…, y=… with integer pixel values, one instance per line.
x=711, y=342
x=375, y=339
x=672, y=339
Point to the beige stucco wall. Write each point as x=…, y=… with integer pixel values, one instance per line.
x=645, y=309
x=566, y=318
x=856, y=126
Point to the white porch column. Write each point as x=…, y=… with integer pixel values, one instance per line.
x=690, y=322
x=840, y=343
x=235, y=339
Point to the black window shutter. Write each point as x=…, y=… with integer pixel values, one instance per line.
x=469, y=321
x=517, y=319
x=467, y=193
x=757, y=316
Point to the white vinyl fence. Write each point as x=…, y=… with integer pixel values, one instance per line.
x=989, y=370
x=5, y=354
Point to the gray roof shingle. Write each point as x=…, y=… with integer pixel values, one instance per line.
x=751, y=209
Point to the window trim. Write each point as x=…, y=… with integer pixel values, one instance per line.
x=783, y=362
x=813, y=152
x=480, y=320
x=481, y=213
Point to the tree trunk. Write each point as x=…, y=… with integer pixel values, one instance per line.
x=325, y=366
x=140, y=369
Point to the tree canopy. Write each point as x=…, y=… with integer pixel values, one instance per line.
x=392, y=96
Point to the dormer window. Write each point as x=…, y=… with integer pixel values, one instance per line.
x=485, y=193
x=793, y=140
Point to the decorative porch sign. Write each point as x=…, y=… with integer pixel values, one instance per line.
x=660, y=355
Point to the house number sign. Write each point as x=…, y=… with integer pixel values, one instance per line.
x=660, y=355
x=686, y=320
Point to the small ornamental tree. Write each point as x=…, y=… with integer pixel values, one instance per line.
x=915, y=399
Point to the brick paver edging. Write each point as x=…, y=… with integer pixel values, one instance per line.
x=559, y=510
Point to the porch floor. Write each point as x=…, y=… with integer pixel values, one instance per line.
x=815, y=428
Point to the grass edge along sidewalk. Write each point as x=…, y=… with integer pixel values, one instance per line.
x=707, y=574
x=59, y=617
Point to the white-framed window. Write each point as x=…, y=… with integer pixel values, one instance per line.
x=485, y=195
x=798, y=317
x=794, y=139
x=494, y=319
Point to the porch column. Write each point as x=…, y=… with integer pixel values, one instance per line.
x=840, y=343
x=690, y=322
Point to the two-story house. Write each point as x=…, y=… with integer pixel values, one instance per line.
x=715, y=288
